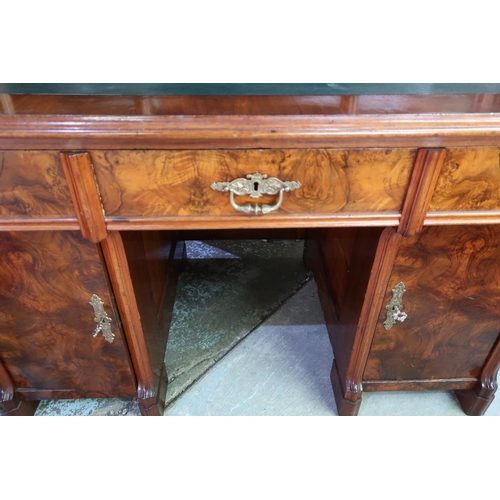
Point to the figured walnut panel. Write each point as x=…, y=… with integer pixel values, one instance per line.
x=452, y=280
x=469, y=180
x=154, y=183
x=32, y=184
x=46, y=322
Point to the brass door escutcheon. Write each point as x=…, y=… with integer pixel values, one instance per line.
x=395, y=306
x=102, y=319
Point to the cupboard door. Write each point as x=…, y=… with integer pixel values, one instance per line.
x=46, y=322
x=452, y=279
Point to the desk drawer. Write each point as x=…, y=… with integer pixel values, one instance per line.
x=469, y=180
x=178, y=183
x=32, y=184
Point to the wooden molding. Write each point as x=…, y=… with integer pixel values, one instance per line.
x=381, y=272
x=85, y=194
x=416, y=385
x=270, y=221
x=119, y=273
x=251, y=131
x=38, y=224
x=344, y=219
x=457, y=217
x=420, y=190
x=115, y=223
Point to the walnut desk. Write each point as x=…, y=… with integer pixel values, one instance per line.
x=396, y=194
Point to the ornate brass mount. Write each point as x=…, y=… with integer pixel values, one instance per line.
x=102, y=319
x=394, y=312
x=256, y=185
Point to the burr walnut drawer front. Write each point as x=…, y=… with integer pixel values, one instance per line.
x=179, y=183
x=32, y=185
x=469, y=180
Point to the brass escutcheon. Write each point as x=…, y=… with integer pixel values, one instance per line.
x=102, y=319
x=395, y=306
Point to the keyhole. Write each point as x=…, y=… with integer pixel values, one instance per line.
x=255, y=186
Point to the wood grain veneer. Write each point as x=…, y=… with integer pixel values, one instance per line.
x=158, y=183
x=32, y=184
x=469, y=180
x=452, y=280
x=46, y=322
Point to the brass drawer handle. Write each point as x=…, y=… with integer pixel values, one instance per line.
x=256, y=185
x=102, y=319
x=394, y=312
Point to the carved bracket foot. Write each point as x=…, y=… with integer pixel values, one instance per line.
x=471, y=403
x=345, y=407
